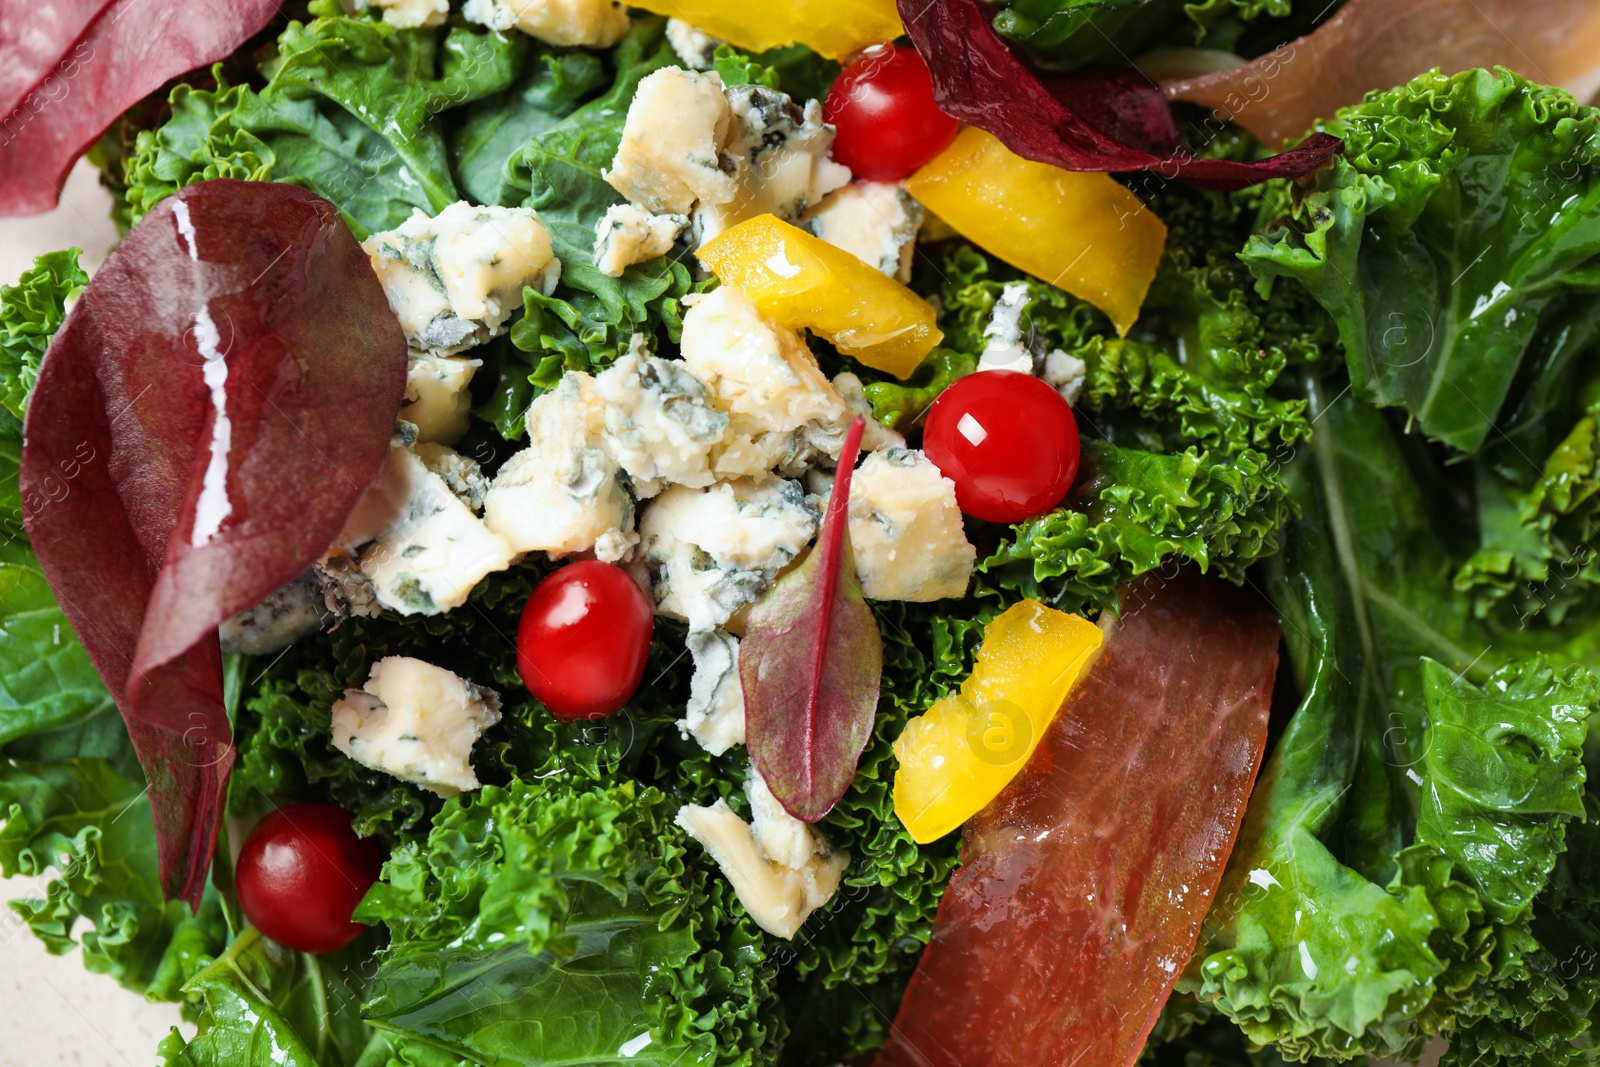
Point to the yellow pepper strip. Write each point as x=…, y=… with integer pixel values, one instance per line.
x=836, y=28
x=958, y=755
x=1080, y=231
x=798, y=280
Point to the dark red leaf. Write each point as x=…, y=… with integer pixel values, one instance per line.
x=1095, y=121
x=71, y=67
x=156, y=511
x=1084, y=884
x=1379, y=44
x=810, y=664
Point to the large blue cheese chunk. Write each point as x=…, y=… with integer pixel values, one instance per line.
x=906, y=529
x=781, y=152
x=876, y=222
x=712, y=551
x=417, y=722
x=568, y=23
x=782, y=411
x=563, y=493
x=660, y=422
x=430, y=549
x=671, y=155
x=453, y=280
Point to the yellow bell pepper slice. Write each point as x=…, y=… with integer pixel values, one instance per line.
x=1080, y=231
x=836, y=28
x=800, y=280
x=958, y=755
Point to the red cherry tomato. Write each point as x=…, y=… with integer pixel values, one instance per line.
x=302, y=872
x=583, y=640
x=1007, y=440
x=883, y=108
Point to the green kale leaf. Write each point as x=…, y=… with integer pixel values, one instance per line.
x=30, y=313
x=552, y=921
x=1455, y=240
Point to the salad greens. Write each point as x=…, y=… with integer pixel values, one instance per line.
x=1421, y=855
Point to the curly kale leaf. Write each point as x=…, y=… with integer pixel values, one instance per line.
x=30, y=313
x=552, y=921
x=1131, y=511
x=351, y=110
x=72, y=800
x=259, y=1004
x=1456, y=242
x=1386, y=884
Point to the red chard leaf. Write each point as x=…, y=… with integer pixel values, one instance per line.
x=1083, y=885
x=1097, y=121
x=202, y=425
x=1379, y=44
x=810, y=663
x=73, y=66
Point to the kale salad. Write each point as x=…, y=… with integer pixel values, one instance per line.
x=835, y=531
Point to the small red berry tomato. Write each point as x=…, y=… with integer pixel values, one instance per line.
x=1007, y=440
x=583, y=640
x=302, y=872
x=882, y=105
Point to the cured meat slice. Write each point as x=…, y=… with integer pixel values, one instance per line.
x=1379, y=44
x=1085, y=882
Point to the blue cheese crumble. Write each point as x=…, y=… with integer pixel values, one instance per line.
x=876, y=222
x=714, y=716
x=660, y=422
x=906, y=529
x=671, y=154
x=629, y=234
x=782, y=411
x=564, y=492
x=417, y=722
x=432, y=549
x=712, y=551
x=567, y=23
x=453, y=280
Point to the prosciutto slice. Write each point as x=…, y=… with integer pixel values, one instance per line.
x=1379, y=44
x=1085, y=883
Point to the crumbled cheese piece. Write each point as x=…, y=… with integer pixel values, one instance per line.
x=1065, y=374
x=782, y=411
x=876, y=222
x=414, y=14
x=461, y=473
x=562, y=494
x=346, y=590
x=778, y=898
x=660, y=422
x=780, y=152
x=781, y=837
x=906, y=531
x=453, y=280
x=1005, y=349
x=417, y=722
x=876, y=436
x=282, y=619
x=437, y=401
x=567, y=23
x=715, y=713
x=629, y=234
x=433, y=549
x=712, y=551
x=671, y=152
x=696, y=48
